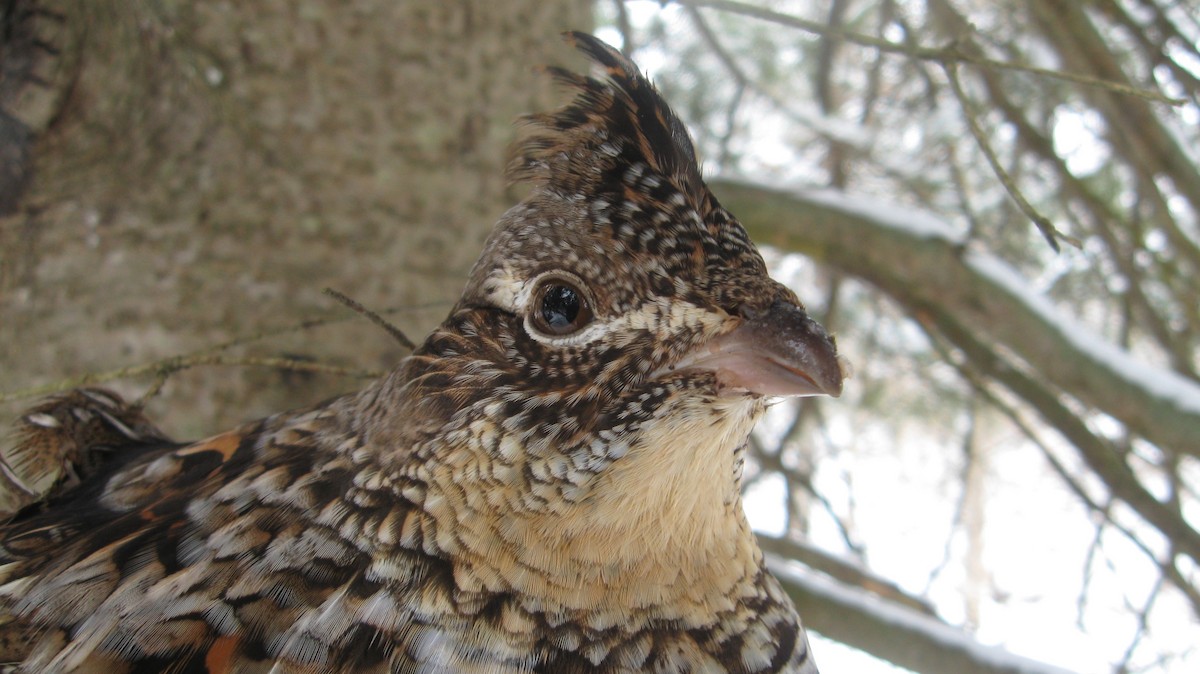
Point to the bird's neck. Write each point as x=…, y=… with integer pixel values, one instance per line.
x=661, y=526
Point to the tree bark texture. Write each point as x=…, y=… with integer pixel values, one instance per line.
x=199, y=172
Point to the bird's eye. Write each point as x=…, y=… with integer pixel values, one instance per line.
x=560, y=308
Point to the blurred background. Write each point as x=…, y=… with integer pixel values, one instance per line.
x=994, y=204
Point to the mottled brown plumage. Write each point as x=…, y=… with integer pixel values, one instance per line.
x=65, y=440
x=548, y=484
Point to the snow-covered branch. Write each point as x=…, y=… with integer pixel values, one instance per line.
x=892, y=632
x=919, y=262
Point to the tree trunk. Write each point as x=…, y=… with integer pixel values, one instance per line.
x=201, y=171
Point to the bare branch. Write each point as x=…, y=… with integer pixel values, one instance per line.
x=947, y=54
x=161, y=369
x=375, y=318
x=1044, y=225
x=845, y=572
x=895, y=633
x=1166, y=566
x=928, y=273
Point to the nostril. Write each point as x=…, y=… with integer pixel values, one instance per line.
x=751, y=312
x=759, y=306
x=754, y=311
x=784, y=305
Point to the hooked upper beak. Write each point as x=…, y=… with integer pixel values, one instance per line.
x=780, y=352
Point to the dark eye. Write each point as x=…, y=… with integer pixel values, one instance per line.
x=560, y=308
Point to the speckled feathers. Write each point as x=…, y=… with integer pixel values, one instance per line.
x=538, y=488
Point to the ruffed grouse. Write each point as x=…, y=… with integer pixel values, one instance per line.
x=548, y=484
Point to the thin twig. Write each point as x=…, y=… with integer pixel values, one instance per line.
x=1166, y=564
x=375, y=318
x=165, y=367
x=625, y=28
x=958, y=520
x=741, y=81
x=168, y=366
x=944, y=55
x=1043, y=224
x=1143, y=615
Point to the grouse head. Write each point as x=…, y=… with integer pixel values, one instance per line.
x=612, y=349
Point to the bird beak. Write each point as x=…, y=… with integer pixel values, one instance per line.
x=780, y=352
